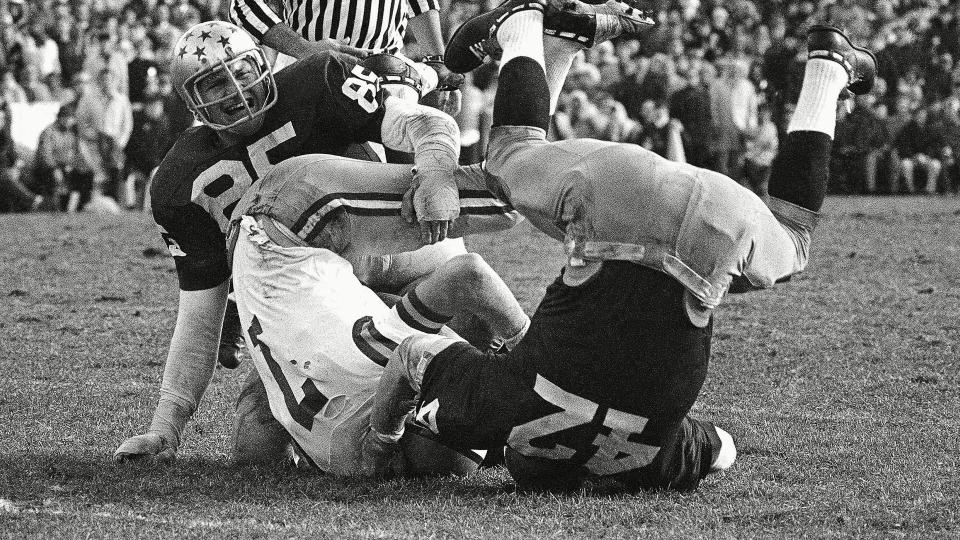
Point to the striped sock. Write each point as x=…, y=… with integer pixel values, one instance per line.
x=418, y=316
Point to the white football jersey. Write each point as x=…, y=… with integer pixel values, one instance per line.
x=319, y=339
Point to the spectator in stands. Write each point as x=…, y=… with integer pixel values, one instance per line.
x=11, y=44
x=104, y=55
x=164, y=32
x=41, y=50
x=10, y=89
x=59, y=92
x=579, y=117
x=140, y=68
x=951, y=158
x=60, y=167
x=71, y=46
x=658, y=133
x=14, y=195
x=149, y=142
x=862, y=144
x=104, y=121
x=917, y=146
x=34, y=89
x=691, y=107
x=761, y=147
x=729, y=120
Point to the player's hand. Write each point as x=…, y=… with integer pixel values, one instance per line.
x=328, y=44
x=448, y=101
x=446, y=79
x=378, y=458
x=436, y=203
x=148, y=446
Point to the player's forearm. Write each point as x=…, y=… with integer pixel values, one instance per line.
x=284, y=39
x=433, y=136
x=426, y=28
x=191, y=359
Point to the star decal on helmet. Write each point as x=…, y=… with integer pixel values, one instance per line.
x=223, y=41
x=182, y=52
x=200, y=53
x=205, y=35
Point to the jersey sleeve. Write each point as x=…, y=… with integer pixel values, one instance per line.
x=254, y=16
x=196, y=243
x=348, y=93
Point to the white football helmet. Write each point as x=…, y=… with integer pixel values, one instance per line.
x=215, y=47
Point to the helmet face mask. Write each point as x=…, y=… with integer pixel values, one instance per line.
x=223, y=77
x=236, y=91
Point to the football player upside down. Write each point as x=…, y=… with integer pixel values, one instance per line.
x=615, y=355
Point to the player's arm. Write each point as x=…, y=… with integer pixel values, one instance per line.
x=434, y=139
x=262, y=22
x=197, y=246
x=425, y=26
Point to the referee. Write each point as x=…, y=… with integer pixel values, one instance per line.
x=356, y=27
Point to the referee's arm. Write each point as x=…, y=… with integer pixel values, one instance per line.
x=264, y=24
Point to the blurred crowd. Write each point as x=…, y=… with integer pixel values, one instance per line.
x=712, y=84
x=715, y=82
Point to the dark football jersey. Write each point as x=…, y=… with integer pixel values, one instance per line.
x=325, y=104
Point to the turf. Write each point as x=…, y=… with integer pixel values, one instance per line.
x=840, y=387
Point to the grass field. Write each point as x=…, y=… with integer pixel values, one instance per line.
x=841, y=389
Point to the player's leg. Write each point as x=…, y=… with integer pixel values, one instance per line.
x=801, y=168
x=465, y=285
x=690, y=452
x=800, y=171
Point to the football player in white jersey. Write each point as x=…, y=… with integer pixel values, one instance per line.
x=318, y=336
x=617, y=351
x=251, y=121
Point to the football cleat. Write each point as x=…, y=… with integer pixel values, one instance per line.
x=232, y=346
x=829, y=43
x=475, y=39
x=589, y=23
x=586, y=23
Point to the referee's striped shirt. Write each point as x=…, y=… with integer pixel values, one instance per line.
x=369, y=24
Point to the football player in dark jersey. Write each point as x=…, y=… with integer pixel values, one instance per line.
x=617, y=351
x=251, y=121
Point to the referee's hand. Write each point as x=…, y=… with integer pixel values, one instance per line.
x=329, y=44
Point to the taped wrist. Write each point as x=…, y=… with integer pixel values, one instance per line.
x=433, y=136
x=169, y=420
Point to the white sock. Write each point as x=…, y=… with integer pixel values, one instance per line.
x=522, y=35
x=823, y=80
x=558, y=56
x=728, y=451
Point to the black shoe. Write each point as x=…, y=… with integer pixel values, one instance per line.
x=829, y=43
x=475, y=39
x=232, y=346
x=589, y=23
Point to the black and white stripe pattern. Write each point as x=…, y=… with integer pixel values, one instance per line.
x=370, y=24
x=311, y=223
x=418, y=316
x=371, y=342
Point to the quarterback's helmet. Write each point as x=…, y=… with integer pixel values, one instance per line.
x=401, y=77
x=210, y=49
